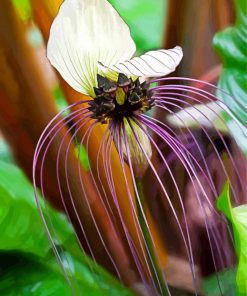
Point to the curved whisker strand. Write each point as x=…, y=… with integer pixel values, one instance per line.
x=110, y=178
x=195, y=141
x=43, y=135
x=67, y=179
x=206, y=95
x=174, y=145
x=159, y=133
x=134, y=213
x=218, y=117
x=163, y=290
x=107, y=209
x=185, y=79
x=42, y=188
x=127, y=234
x=87, y=134
x=215, y=149
x=210, y=140
x=190, y=255
x=216, y=228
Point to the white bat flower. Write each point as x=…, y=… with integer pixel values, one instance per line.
x=91, y=47
x=89, y=36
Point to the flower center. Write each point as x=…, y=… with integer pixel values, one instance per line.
x=114, y=101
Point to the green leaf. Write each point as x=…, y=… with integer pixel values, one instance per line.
x=231, y=47
x=222, y=283
x=145, y=19
x=27, y=252
x=28, y=276
x=238, y=218
x=21, y=227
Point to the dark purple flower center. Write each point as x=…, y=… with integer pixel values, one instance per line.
x=116, y=100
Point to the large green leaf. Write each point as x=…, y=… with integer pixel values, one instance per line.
x=20, y=223
x=238, y=218
x=231, y=47
x=23, y=238
x=28, y=276
x=145, y=19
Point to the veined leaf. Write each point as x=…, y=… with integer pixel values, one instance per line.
x=24, y=239
x=238, y=218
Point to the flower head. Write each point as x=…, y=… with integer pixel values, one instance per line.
x=91, y=47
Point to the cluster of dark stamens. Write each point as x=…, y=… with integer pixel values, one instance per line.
x=105, y=106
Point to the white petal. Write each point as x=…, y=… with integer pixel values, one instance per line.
x=207, y=115
x=84, y=33
x=151, y=64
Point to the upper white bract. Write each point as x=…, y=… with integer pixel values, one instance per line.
x=89, y=37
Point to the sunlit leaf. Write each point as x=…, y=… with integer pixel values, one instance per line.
x=238, y=218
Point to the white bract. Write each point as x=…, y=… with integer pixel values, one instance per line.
x=89, y=37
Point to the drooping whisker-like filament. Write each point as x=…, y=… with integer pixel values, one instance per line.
x=58, y=157
x=187, y=241
x=101, y=238
x=202, y=206
x=216, y=232
x=158, y=286
x=120, y=145
x=109, y=173
x=166, y=99
x=198, y=90
x=234, y=194
x=180, y=150
x=44, y=137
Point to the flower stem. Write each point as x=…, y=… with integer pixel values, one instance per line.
x=154, y=265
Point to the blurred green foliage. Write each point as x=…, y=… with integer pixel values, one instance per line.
x=238, y=218
x=5, y=152
x=27, y=263
x=23, y=8
x=221, y=283
x=231, y=45
x=145, y=19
